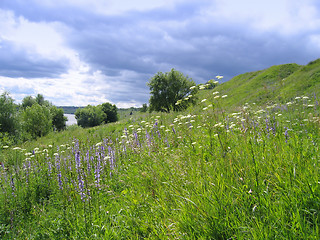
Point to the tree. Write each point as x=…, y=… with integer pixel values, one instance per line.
x=36, y=121
x=8, y=120
x=58, y=118
x=90, y=116
x=144, y=108
x=110, y=111
x=168, y=88
x=28, y=101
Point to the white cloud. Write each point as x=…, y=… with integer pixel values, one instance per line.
x=36, y=37
x=282, y=16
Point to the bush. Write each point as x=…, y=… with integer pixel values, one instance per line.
x=8, y=116
x=36, y=121
x=90, y=116
x=58, y=118
x=110, y=111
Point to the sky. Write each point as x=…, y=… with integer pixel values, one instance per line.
x=80, y=52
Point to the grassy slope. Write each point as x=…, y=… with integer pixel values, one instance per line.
x=279, y=83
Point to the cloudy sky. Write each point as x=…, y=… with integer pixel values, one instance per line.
x=80, y=52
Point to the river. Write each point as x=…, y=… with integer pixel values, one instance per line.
x=71, y=119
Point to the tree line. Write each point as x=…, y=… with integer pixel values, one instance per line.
x=36, y=117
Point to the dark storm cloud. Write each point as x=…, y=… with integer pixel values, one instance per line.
x=130, y=47
x=16, y=62
x=147, y=42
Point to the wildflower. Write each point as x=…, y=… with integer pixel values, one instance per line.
x=98, y=144
x=224, y=96
x=193, y=87
x=219, y=77
x=5, y=147
x=215, y=93
x=16, y=148
x=201, y=87
x=215, y=97
x=254, y=208
x=194, y=143
x=305, y=97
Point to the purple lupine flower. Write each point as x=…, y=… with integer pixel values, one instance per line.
x=173, y=130
x=286, y=134
x=136, y=138
x=78, y=160
x=59, y=173
x=166, y=140
x=111, y=158
x=124, y=147
x=81, y=187
x=97, y=173
x=267, y=125
x=148, y=138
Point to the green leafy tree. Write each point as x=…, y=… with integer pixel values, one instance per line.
x=36, y=121
x=58, y=118
x=144, y=108
x=110, y=111
x=8, y=116
x=28, y=101
x=90, y=116
x=168, y=88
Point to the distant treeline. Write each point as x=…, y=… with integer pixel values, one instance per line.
x=69, y=109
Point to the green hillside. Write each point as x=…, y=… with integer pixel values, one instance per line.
x=278, y=83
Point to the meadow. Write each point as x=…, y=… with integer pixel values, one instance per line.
x=205, y=173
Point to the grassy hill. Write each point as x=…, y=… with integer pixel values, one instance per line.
x=279, y=83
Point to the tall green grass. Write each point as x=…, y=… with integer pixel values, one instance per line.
x=202, y=174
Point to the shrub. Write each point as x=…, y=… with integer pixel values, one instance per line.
x=90, y=116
